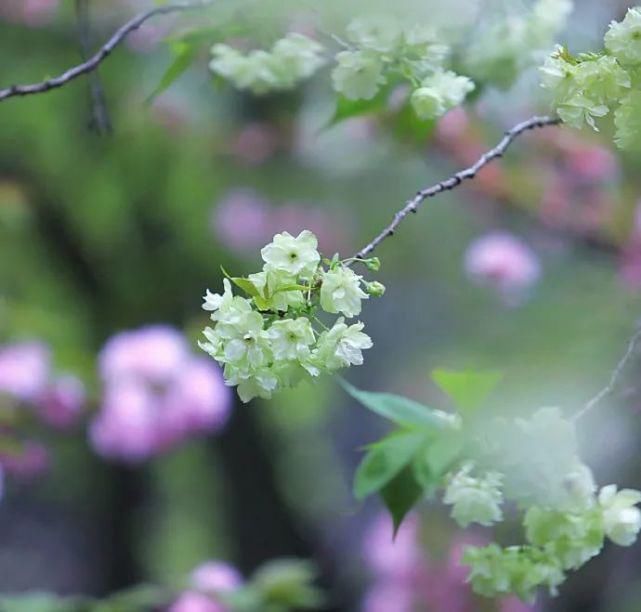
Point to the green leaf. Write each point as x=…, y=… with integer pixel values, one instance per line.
x=401, y=494
x=184, y=56
x=468, y=389
x=400, y=410
x=347, y=109
x=384, y=460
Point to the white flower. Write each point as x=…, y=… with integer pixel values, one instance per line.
x=358, y=75
x=378, y=32
x=261, y=383
x=623, y=39
x=290, y=339
x=341, y=346
x=297, y=256
x=245, y=344
x=214, y=301
x=439, y=93
x=580, y=486
x=296, y=57
x=621, y=517
x=475, y=500
x=341, y=292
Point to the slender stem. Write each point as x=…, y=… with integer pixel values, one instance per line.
x=411, y=206
x=614, y=378
x=101, y=55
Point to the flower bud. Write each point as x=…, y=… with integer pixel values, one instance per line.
x=373, y=264
x=375, y=289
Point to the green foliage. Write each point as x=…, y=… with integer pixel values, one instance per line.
x=468, y=389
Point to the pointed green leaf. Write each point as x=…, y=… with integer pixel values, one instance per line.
x=184, y=56
x=347, y=109
x=468, y=389
x=401, y=494
x=401, y=410
x=384, y=460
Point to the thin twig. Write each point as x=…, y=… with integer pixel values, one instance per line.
x=100, y=121
x=411, y=206
x=93, y=62
x=614, y=378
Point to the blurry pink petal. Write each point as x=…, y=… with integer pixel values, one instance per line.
x=155, y=353
x=200, y=396
x=255, y=143
x=514, y=604
x=502, y=261
x=388, y=557
x=215, y=576
x=31, y=461
x=388, y=597
x=593, y=163
x=241, y=220
x=125, y=428
x=62, y=402
x=192, y=601
x=24, y=370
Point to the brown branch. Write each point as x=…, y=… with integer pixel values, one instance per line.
x=411, y=206
x=93, y=62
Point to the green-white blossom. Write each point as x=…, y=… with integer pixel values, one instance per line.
x=623, y=39
x=290, y=339
x=474, y=499
x=627, y=119
x=621, y=517
x=297, y=256
x=439, y=93
x=341, y=292
x=377, y=32
x=358, y=75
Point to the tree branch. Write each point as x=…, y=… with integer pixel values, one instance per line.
x=93, y=62
x=100, y=120
x=411, y=206
x=614, y=378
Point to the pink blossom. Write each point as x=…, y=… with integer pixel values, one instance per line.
x=61, y=404
x=503, y=262
x=157, y=394
x=592, y=163
x=154, y=353
x=193, y=601
x=215, y=576
x=255, y=143
x=242, y=220
x=33, y=13
x=397, y=557
x=24, y=370
x=30, y=461
x=389, y=596
x=514, y=604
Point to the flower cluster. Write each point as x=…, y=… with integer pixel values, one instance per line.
x=31, y=390
x=565, y=524
x=291, y=60
x=506, y=46
x=273, y=338
x=381, y=48
x=156, y=395
x=590, y=86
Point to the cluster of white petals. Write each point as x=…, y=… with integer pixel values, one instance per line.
x=273, y=338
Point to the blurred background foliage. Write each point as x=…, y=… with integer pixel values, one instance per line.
x=101, y=234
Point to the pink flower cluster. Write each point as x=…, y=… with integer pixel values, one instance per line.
x=28, y=387
x=206, y=583
x=156, y=395
x=405, y=579
x=504, y=263
x=32, y=13
x=244, y=221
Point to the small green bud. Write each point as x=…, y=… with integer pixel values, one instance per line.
x=373, y=263
x=375, y=289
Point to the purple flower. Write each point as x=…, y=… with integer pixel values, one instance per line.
x=215, y=576
x=156, y=395
x=504, y=262
x=24, y=370
x=61, y=404
x=389, y=596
